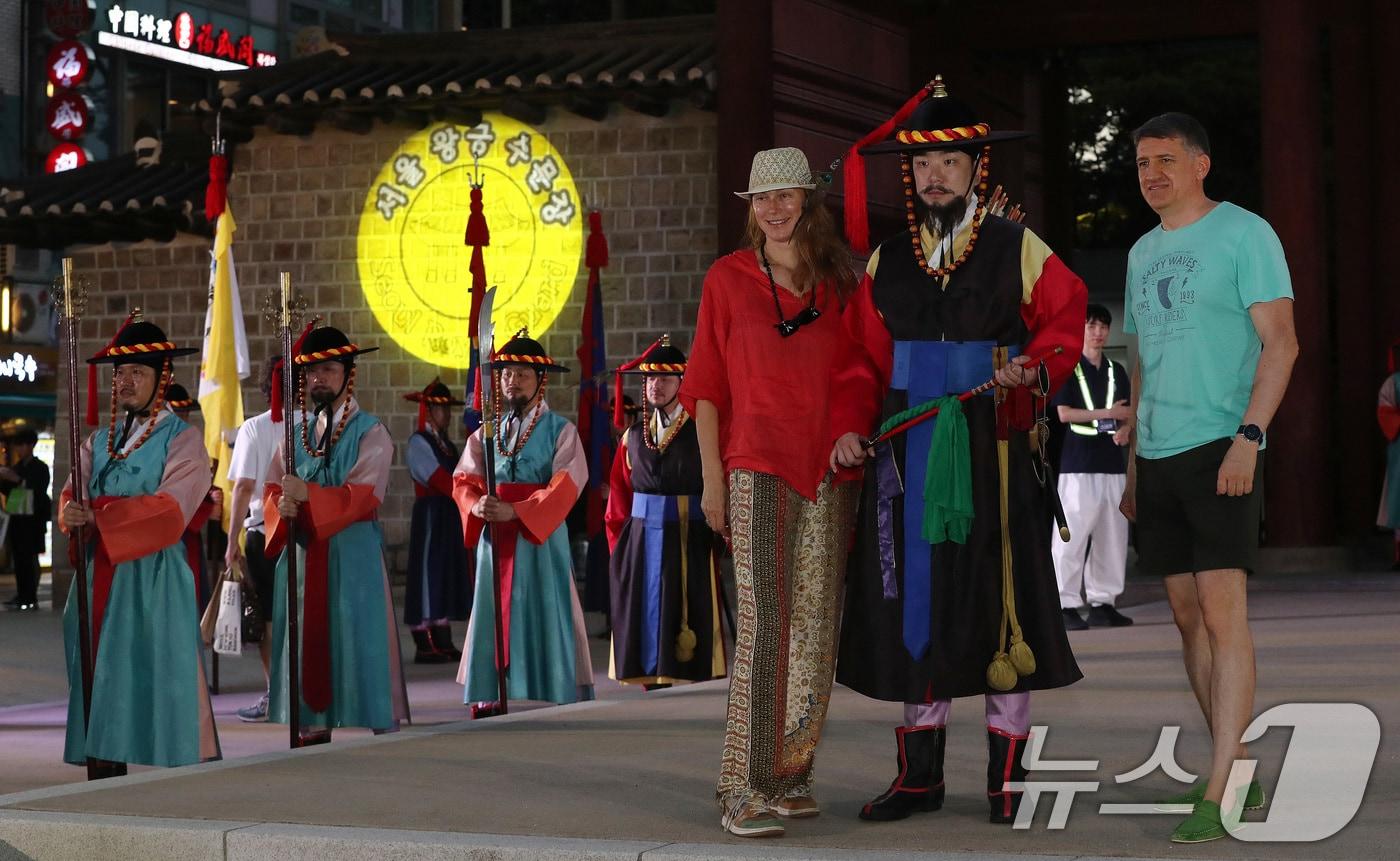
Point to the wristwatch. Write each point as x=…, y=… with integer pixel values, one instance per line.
x=1251, y=433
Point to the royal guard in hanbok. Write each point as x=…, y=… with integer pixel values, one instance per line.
x=351, y=674
x=951, y=591
x=146, y=474
x=665, y=585
x=440, y=571
x=540, y=471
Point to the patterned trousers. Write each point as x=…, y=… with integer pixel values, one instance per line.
x=789, y=570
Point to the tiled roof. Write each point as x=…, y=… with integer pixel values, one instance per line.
x=402, y=78
x=108, y=200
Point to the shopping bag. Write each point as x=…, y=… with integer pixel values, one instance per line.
x=20, y=500
x=228, y=627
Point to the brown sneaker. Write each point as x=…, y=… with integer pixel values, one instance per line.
x=795, y=807
x=750, y=819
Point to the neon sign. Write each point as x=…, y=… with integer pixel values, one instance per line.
x=181, y=40
x=412, y=264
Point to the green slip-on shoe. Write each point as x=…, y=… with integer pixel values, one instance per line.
x=1202, y=826
x=1254, y=798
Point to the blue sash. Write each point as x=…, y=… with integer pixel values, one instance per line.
x=655, y=511
x=926, y=370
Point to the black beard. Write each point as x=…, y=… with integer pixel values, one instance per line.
x=518, y=403
x=323, y=399
x=943, y=219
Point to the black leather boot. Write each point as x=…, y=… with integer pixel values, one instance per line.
x=1004, y=753
x=427, y=653
x=100, y=769
x=919, y=786
x=441, y=636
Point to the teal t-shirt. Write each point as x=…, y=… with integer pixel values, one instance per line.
x=1188, y=297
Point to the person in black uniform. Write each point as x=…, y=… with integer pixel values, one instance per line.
x=951, y=592
x=665, y=585
x=26, y=533
x=441, y=575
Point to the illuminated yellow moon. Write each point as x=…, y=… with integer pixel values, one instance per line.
x=414, y=268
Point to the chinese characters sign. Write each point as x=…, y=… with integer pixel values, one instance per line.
x=68, y=64
x=181, y=39
x=412, y=262
x=65, y=156
x=68, y=116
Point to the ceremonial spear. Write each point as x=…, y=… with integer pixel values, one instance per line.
x=286, y=310
x=72, y=302
x=485, y=333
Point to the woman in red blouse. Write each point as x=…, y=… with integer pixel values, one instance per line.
x=779, y=423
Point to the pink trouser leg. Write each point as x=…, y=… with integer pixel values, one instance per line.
x=1010, y=713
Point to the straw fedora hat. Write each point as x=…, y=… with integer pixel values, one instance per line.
x=784, y=167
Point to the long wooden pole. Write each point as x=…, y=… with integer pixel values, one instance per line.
x=289, y=466
x=75, y=460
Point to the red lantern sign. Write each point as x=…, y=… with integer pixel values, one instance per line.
x=68, y=116
x=65, y=156
x=184, y=30
x=68, y=19
x=68, y=64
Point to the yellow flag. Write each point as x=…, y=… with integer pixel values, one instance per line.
x=225, y=359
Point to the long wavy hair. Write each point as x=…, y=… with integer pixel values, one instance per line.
x=822, y=255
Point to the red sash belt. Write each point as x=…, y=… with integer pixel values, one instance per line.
x=504, y=537
x=102, y=573
x=315, y=619
x=439, y=484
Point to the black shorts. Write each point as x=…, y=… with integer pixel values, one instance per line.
x=262, y=570
x=1184, y=526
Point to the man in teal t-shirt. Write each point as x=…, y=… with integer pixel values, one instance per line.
x=1209, y=297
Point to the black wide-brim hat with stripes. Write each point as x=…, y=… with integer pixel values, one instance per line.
x=661, y=360
x=140, y=343
x=435, y=394
x=178, y=398
x=328, y=344
x=942, y=122
x=524, y=350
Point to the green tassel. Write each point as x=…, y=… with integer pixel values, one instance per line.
x=948, y=482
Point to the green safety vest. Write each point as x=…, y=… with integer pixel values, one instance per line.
x=1089, y=429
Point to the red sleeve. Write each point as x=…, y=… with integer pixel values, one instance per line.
x=706, y=377
x=1389, y=418
x=619, y=496
x=274, y=528
x=545, y=509
x=201, y=516
x=328, y=510
x=1054, y=315
x=441, y=481
x=137, y=526
x=466, y=490
x=862, y=376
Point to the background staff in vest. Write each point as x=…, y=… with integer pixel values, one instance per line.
x=1094, y=405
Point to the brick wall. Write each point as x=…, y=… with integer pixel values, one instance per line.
x=297, y=202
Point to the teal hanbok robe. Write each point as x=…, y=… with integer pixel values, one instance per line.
x=351, y=672
x=150, y=702
x=546, y=643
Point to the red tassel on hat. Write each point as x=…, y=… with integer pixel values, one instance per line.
x=279, y=365
x=423, y=405
x=853, y=174
x=275, y=402
x=619, y=411
x=90, y=416
x=216, y=194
